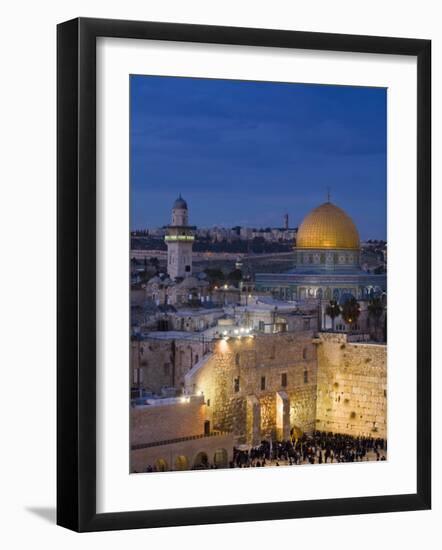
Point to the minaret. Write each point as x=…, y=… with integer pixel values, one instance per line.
x=179, y=240
x=286, y=221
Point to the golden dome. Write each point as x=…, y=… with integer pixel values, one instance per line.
x=327, y=226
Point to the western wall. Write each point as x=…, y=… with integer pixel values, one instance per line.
x=352, y=386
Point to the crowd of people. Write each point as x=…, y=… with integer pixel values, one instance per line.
x=318, y=448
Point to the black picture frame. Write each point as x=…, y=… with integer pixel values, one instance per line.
x=76, y=274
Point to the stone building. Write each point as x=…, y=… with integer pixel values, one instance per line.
x=327, y=261
x=161, y=359
x=179, y=240
x=161, y=290
x=259, y=387
x=250, y=387
x=173, y=434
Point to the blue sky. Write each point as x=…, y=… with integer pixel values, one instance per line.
x=245, y=153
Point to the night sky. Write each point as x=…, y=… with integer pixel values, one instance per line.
x=245, y=153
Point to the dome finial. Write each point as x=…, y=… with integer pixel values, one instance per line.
x=328, y=193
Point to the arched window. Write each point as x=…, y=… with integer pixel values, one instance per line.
x=237, y=359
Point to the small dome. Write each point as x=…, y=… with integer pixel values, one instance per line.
x=327, y=227
x=180, y=203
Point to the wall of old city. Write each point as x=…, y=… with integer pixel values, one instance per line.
x=167, y=419
x=260, y=367
x=184, y=455
x=178, y=424
x=159, y=362
x=352, y=386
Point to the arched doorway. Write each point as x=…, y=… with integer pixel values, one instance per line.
x=161, y=465
x=181, y=463
x=201, y=461
x=220, y=458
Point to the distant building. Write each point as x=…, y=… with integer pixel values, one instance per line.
x=179, y=240
x=327, y=258
x=179, y=286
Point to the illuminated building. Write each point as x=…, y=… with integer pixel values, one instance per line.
x=327, y=260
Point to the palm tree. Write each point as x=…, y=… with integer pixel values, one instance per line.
x=351, y=311
x=333, y=310
x=375, y=310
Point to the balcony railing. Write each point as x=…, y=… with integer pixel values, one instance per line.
x=138, y=446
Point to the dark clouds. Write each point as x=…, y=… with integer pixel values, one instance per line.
x=247, y=152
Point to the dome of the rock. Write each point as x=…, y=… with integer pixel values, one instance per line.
x=327, y=227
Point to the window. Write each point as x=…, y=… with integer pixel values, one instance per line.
x=304, y=353
x=136, y=374
x=208, y=402
x=263, y=382
x=187, y=268
x=306, y=324
x=236, y=385
x=284, y=379
x=196, y=359
x=237, y=359
x=261, y=326
x=166, y=369
x=305, y=377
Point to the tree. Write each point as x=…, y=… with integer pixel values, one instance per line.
x=235, y=276
x=375, y=311
x=333, y=310
x=350, y=311
x=215, y=277
x=154, y=262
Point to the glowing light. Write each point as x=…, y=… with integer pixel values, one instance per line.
x=241, y=329
x=226, y=287
x=225, y=333
x=169, y=238
x=183, y=399
x=236, y=331
x=223, y=345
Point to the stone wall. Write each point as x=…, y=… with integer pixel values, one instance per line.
x=183, y=455
x=352, y=386
x=260, y=367
x=162, y=362
x=168, y=419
